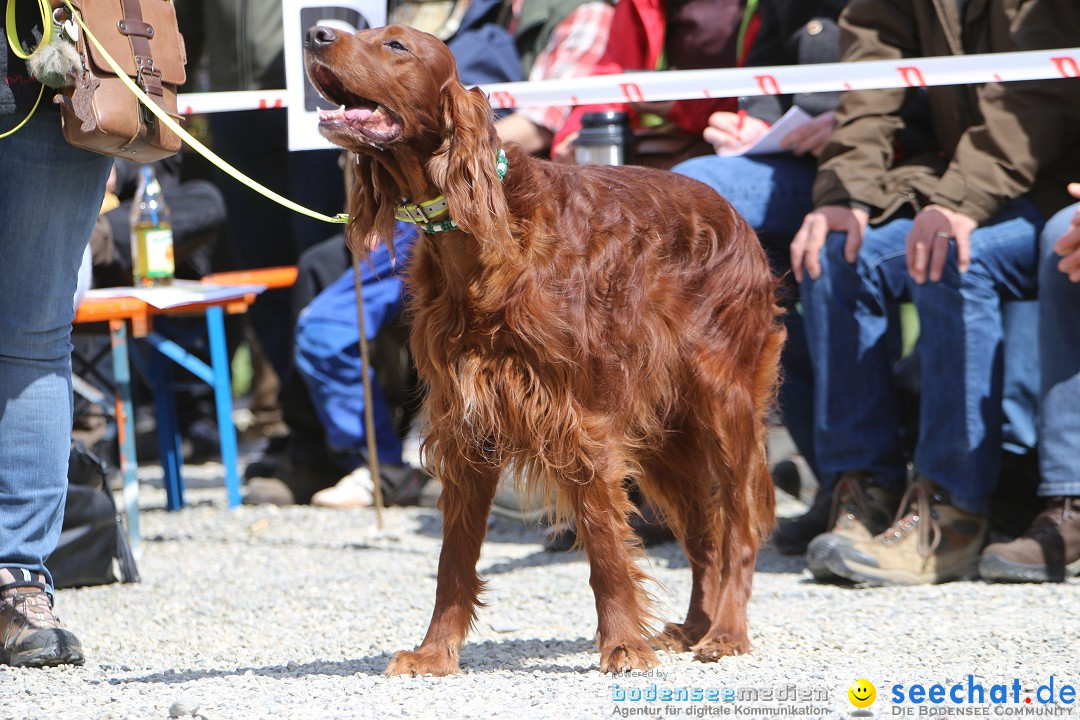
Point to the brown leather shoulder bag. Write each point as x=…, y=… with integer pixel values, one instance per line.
x=99, y=112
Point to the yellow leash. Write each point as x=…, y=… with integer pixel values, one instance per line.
x=257, y=187
x=16, y=48
x=195, y=144
x=12, y=37
x=266, y=192
x=161, y=115
x=28, y=115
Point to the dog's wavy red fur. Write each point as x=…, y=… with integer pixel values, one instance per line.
x=584, y=324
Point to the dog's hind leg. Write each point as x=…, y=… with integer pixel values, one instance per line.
x=744, y=495
x=622, y=611
x=728, y=633
x=675, y=481
x=465, y=505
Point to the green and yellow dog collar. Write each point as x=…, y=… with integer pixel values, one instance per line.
x=423, y=213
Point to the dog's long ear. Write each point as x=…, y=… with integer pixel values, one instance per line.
x=464, y=165
x=371, y=206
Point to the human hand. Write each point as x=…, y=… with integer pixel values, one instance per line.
x=563, y=152
x=1068, y=245
x=928, y=242
x=519, y=128
x=807, y=244
x=728, y=131
x=812, y=136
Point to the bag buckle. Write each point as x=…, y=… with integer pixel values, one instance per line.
x=145, y=66
x=148, y=77
x=146, y=70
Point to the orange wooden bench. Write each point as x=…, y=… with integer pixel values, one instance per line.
x=117, y=313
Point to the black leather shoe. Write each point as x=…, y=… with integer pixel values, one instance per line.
x=792, y=535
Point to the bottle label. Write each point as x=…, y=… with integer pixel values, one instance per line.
x=159, y=252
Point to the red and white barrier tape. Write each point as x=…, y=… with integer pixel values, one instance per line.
x=730, y=82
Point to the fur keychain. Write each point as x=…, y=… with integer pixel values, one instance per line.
x=57, y=63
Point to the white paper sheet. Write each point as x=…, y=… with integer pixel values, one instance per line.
x=181, y=292
x=769, y=143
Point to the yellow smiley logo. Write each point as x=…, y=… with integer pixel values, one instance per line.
x=861, y=693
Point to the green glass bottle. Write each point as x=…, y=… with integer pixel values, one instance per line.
x=152, y=262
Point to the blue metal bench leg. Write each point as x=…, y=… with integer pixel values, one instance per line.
x=219, y=360
x=125, y=424
x=168, y=429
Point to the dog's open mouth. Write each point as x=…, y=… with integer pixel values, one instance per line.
x=373, y=121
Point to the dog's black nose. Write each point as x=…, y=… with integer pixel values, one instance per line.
x=319, y=37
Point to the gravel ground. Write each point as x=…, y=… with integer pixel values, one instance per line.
x=295, y=612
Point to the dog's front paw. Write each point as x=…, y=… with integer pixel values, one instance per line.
x=425, y=661
x=628, y=656
x=714, y=647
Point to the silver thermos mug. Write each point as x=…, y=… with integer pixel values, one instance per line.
x=605, y=139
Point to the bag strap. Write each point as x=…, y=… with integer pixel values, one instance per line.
x=147, y=76
x=138, y=34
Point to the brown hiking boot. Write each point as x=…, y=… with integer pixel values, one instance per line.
x=860, y=510
x=931, y=541
x=30, y=635
x=1048, y=552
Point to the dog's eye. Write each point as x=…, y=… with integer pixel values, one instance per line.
x=394, y=45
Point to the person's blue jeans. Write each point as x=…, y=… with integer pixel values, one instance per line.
x=1020, y=392
x=856, y=419
x=327, y=355
x=50, y=194
x=1059, y=348
x=772, y=192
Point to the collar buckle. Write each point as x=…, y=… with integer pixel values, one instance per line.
x=423, y=213
x=415, y=213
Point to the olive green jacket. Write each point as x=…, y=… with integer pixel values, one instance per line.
x=997, y=141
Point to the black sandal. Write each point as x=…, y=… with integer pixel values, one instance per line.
x=402, y=485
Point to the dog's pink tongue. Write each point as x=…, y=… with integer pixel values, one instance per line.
x=357, y=114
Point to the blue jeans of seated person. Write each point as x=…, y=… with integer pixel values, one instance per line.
x=1059, y=347
x=327, y=354
x=855, y=414
x=1020, y=394
x=772, y=192
x=50, y=194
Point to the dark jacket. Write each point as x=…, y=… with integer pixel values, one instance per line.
x=244, y=40
x=483, y=48
x=993, y=148
x=794, y=32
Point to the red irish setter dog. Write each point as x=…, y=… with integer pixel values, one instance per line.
x=580, y=324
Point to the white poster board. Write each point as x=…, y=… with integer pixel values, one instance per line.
x=303, y=100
